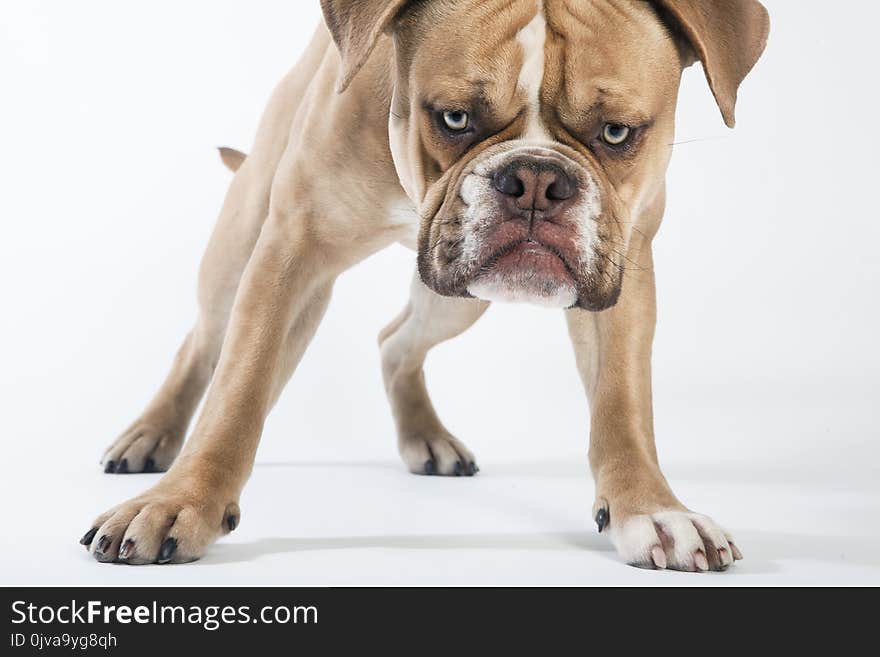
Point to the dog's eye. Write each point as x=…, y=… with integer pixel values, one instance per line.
x=615, y=133
x=456, y=121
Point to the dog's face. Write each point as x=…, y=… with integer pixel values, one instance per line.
x=531, y=134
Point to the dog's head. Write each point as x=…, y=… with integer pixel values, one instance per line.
x=531, y=134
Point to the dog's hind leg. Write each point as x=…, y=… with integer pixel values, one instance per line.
x=425, y=445
x=154, y=439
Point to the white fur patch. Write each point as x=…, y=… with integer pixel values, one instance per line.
x=590, y=208
x=476, y=191
x=637, y=540
x=495, y=288
x=533, y=38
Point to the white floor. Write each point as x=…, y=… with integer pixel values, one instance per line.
x=808, y=516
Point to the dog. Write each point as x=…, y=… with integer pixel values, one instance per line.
x=520, y=148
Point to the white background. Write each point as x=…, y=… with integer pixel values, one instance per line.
x=766, y=358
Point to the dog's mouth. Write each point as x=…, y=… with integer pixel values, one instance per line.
x=526, y=270
x=528, y=257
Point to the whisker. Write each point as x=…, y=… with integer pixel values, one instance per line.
x=634, y=228
x=692, y=141
x=637, y=265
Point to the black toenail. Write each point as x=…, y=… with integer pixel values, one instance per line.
x=473, y=469
x=232, y=523
x=110, y=467
x=123, y=467
x=602, y=519
x=430, y=468
x=458, y=469
x=150, y=466
x=126, y=550
x=103, y=544
x=88, y=537
x=167, y=550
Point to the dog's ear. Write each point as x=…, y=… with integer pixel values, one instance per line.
x=727, y=36
x=355, y=26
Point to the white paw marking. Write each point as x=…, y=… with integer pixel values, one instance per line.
x=678, y=540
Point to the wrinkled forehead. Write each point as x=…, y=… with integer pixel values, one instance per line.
x=577, y=52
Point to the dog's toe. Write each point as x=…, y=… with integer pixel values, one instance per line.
x=677, y=540
x=160, y=527
x=441, y=454
x=145, y=447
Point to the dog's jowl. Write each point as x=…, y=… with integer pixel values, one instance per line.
x=520, y=148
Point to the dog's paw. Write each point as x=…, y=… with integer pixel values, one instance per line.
x=437, y=454
x=678, y=540
x=161, y=527
x=146, y=446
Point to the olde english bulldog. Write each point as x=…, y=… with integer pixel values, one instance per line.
x=520, y=147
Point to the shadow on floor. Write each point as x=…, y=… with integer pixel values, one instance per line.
x=235, y=552
x=846, y=476
x=766, y=551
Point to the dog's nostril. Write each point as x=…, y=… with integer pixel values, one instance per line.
x=561, y=189
x=508, y=183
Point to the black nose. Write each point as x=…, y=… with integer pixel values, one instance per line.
x=534, y=184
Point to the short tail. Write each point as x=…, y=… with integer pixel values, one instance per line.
x=232, y=158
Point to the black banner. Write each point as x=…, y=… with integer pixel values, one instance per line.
x=130, y=620
x=164, y=621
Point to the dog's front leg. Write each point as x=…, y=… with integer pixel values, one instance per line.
x=280, y=302
x=634, y=504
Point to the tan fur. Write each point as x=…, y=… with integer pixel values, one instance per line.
x=333, y=177
x=428, y=320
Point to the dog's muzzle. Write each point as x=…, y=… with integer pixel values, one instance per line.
x=533, y=250
x=526, y=225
